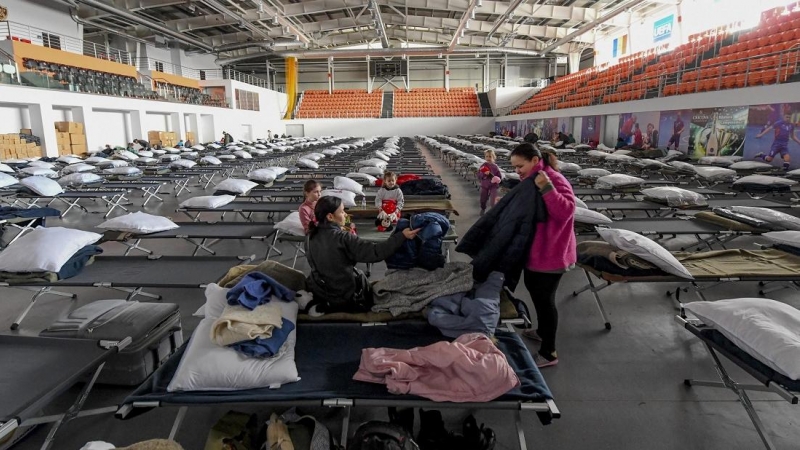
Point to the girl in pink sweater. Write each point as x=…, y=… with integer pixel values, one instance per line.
x=311, y=193
x=553, y=250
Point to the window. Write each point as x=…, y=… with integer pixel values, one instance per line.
x=51, y=40
x=159, y=66
x=202, y=74
x=247, y=100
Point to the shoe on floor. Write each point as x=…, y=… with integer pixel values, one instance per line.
x=542, y=362
x=532, y=334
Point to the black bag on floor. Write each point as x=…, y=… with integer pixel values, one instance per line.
x=155, y=330
x=375, y=435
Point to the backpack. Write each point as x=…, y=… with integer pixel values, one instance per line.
x=426, y=249
x=376, y=435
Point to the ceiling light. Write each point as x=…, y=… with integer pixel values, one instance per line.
x=480, y=3
x=467, y=25
x=275, y=19
x=472, y=14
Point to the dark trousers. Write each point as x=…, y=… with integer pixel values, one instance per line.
x=488, y=194
x=543, y=287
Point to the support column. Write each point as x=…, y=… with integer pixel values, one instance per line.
x=408, y=73
x=291, y=86
x=447, y=73
x=504, y=70
x=486, y=74
x=42, y=120
x=330, y=75
x=269, y=76
x=136, y=118
x=176, y=124
x=369, y=78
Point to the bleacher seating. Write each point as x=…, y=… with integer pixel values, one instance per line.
x=192, y=96
x=715, y=59
x=436, y=102
x=78, y=79
x=319, y=104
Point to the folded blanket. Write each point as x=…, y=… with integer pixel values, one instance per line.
x=291, y=278
x=411, y=290
x=237, y=324
x=269, y=347
x=72, y=267
x=257, y=288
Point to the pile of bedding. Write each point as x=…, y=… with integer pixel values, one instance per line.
x=48, y=254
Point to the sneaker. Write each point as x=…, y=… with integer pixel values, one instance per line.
x=532, y=334
x=542, y=362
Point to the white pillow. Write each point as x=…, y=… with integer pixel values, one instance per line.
x=372, y=162
x=381, y=155
x=139, y=223
x=262, y=176
x=790, y=238
x=593, y=173
x=767, y=330
x=226, y=157
x=619, y=158
x=69, y=159
x=41, y=164
x=172, y=150
x=644, y=248
x=243, y=154
x=210, y=160
x=348, y=197
x=44, y=249
x=313, y=156
x=774, y=218
x=235, y=185
x=189, y=155
x=278, y=170
x=126, y=155
x=750, y=165
x=307, y=163
x=146, y=160
x=597, y=154
x=331, y=152
x=111, y=163
x=580, y=203
x=76, y=179
x=291, y=225
x=683, y=166
x=715, y=173
x=130, y=171
x=159, y=152
x=39, y=172
x=364, y=178
x=792, y=174
x=207, y=201
x=182, y=164
x=566, y=167
x=169, y=158
x=198, y=147
x=145, y=154
x=583, y=215
x=42, y=186
x=7, y=180
x=618, y=180
x=374, y=171
x=206, y=366
x=5, y=168
x=674, y=196
x=347, y=184
x=721, y=161
x=764, y=180
x=76, y=168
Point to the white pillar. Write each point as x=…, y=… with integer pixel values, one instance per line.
x=486, y=74
x=447, y=73
x=574, y=62
x=176, y=124
x=42, y=124
x=330, y=74
x=369, y=78
x=137, y=124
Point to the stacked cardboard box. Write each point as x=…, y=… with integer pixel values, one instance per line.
x=191, y=137
x=162, y=138
x=13, y=146
x=71, y=138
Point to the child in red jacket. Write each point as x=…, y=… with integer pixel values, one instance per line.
x=490, y=176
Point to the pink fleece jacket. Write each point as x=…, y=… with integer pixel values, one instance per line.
x=469, y=369
x=553, y=247
x=307, y=214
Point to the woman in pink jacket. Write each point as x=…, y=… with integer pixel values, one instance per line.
x=553, y=250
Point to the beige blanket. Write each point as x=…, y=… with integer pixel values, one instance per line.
x=238, y=324
x=291, y=278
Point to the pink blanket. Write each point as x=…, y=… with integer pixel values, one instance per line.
x=469, y=369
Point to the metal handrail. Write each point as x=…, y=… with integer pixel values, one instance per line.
x=45, y=38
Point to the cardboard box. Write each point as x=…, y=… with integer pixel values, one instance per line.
x=70, y=127
x=62, y=138
x=191, y=136
x=25, y=131
x=78, y=148
x=77, y=138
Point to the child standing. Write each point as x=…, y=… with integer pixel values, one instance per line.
x=312, y=190
x=489, y=174
x=389, y=198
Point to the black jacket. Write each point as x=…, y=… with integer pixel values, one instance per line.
x=333, y=254
x=502, y=238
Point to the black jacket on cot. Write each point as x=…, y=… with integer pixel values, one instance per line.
x=425, y=186
x=333, y=254
x=501, y=239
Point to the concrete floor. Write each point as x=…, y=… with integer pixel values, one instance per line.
x=618, y=389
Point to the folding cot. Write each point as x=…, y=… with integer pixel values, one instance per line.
x=661, y=210
x=202, y=235
x=326, y=377
x=297, y=195
x=23, y=220
x=711, y=268
x=769, y=380
x=180, y=182
x=112, y=198
x=601, y=194
x=130, y=274
x=29, y=384
x=149, y=188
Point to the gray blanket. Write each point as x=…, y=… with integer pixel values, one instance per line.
x=404, y=291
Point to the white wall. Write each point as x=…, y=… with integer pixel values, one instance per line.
x=157, y=122
x=504, y=97
x=47, y=106
x=395, y=127
x=48, y=15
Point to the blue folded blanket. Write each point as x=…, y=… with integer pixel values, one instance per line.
x=257, y=288
x=78, y=261
x=266, y=348
x=10, y=212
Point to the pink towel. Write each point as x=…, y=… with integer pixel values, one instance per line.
x=469, y=369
